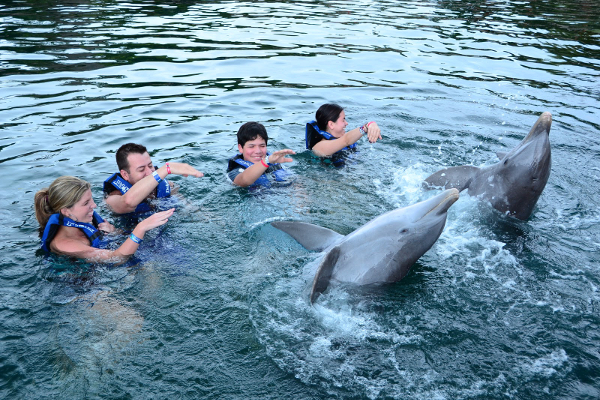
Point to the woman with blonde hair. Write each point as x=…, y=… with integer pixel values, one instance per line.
x=70, y=226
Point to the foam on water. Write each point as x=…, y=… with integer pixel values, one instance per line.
x=346, y=339
x=495, y=309
x=345, y=336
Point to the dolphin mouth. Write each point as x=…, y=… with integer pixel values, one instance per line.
x=443, y=201
x=541, y=126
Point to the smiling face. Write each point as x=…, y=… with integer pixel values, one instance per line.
x=140, y=166
x=338, y=128
x=83, y=210
x=253, y=150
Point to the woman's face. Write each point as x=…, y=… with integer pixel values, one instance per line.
x=338, y=128
x=83, y=210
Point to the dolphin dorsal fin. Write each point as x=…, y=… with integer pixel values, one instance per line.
x=312, y=237
x=453, y=177
x=323, y=275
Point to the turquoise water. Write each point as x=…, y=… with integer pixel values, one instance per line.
x=218, y=306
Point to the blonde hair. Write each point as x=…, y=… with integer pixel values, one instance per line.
x=64, y=192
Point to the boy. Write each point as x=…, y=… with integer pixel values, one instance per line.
x=254, y=165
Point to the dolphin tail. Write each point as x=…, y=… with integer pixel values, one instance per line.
x=323, y=275
x=453, y=177
x=312, y=237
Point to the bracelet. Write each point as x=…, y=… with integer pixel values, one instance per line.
x=168, y=169
x=370, y=123
x=156, y=176
x=135, y=238
x=362, y=130
x=262, y=161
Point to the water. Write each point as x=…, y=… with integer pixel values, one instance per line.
x=219, y=308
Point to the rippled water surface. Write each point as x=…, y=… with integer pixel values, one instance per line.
x=217, y=304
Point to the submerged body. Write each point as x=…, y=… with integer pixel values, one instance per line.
x=513, y=185
x=381, y=251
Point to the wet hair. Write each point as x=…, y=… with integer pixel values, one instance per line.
x=124, y=152
x=250, y=131
x=64, y=192
x=327, y=112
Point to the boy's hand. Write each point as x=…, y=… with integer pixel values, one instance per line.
x=279, y=156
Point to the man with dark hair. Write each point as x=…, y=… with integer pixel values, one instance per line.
x=138, y=181
x=254, y=165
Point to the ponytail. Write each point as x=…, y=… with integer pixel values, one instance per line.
x=43, y=211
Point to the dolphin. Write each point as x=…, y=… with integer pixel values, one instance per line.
x=513, y=185
x=380, y=251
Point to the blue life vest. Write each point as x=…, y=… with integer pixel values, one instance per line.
x=116, y=182
x=314, y=135
x=57, y=220
x=276, y=170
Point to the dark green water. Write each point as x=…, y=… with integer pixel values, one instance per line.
x=218, y=307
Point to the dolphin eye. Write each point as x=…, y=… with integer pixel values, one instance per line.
x=403, y=231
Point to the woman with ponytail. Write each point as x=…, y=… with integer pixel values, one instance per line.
x=326, y=136
x=70, y=226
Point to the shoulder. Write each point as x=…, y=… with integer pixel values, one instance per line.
x=313, y=135
x=115, y=182
x=234, y=162
x=234, y=167
x=111, y=178
x=69, y=241
x=233, y=173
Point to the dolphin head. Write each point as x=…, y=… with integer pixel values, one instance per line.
x=384, y=249
x=526, y=168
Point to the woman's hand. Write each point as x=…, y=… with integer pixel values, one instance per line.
x=373, y=132
x=155, y=220
x=279, y=156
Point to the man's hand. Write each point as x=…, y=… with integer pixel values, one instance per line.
x=180, y=169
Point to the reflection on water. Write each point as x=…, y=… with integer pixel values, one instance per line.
x=218, y=306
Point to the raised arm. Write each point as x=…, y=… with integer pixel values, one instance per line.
x=326, y=148
x=78, y=249
x=126, y=203
x=253, y=172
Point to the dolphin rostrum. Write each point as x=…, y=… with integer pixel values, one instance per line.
x=512, y=185
x=382, y=250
